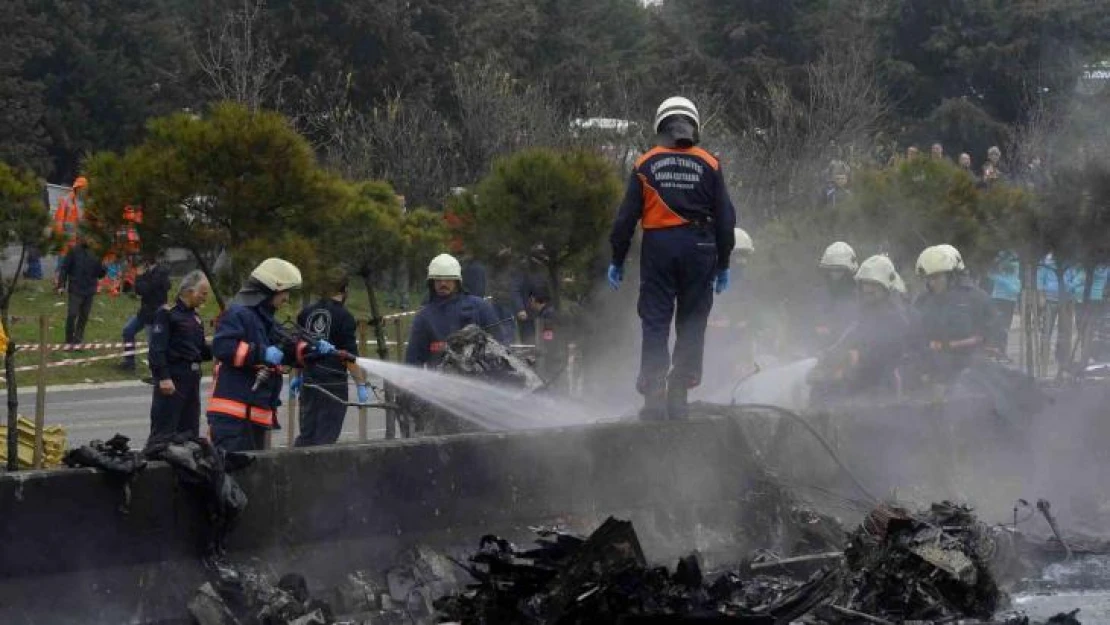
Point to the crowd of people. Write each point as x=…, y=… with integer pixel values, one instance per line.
x=992, y=170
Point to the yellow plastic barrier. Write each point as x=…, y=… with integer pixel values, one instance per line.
x=53, y=444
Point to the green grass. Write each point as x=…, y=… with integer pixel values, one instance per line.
x=109, y=314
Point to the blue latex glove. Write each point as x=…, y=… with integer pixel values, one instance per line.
x=324, y=348
x=616, y=275
x=720, y=284
x=273, y=355
x=363, y=394
x=295, y=385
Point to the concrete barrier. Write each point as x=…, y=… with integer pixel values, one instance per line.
x=69, y=556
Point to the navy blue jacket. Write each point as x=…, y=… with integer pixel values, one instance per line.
x=443, y=316
x=674, y=187
x=239, y=348
x=176, y=338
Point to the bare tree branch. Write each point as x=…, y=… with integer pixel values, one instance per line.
x=238, y=62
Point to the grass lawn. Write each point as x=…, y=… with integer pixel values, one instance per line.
x=109, y=314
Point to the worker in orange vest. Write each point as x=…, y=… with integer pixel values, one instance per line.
x=67, y=216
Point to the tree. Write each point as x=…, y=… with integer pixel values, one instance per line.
x=236, y=181
x=22, y=133
x=562, y=200
x=236, y=58
x=23, y=221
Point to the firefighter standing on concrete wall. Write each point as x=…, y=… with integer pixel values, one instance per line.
x=677, y=192
x=177, y=347
x=249, y=349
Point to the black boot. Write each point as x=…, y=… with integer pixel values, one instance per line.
x=655, y=406
x=677, y=410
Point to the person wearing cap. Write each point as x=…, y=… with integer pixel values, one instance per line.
x=677, y=193
x=867, y=357
x=449, y=308
x=249, y=350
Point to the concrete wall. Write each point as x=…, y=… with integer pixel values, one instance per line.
x=68, y=555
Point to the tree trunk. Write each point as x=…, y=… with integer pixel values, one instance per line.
x=1028, y=299
x=1065, y=318
x=376, y=318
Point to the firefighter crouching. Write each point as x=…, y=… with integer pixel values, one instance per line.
x=249, y=350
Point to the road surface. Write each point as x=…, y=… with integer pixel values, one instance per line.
x=91, y=412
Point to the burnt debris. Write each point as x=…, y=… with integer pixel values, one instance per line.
x=898, y=567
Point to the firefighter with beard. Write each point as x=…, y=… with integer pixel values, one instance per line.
x=449, y=309
x=677, y=193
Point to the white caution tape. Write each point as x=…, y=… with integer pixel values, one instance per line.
x=70, y=347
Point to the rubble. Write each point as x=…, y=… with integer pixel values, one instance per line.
x=898, y=567
x=244, y=596
x=115, y=458
x=204, y=471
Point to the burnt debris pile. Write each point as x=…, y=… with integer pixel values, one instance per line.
x=472, y=352
x=931, y=566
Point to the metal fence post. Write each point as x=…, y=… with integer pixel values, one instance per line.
x=40, y=393
x=363, y=428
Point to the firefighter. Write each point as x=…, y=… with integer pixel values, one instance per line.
x=956, y=316
x=834, y=301
x=449, y=309
x=249, y=349
x=177, y=347
x=328, y=319
x=677, y=192
x=868, y=356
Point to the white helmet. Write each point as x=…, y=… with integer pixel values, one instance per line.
x=676, y=105
x=879, y=270
x=948, y=249
x=839, y=255
x=936, y=260
x=444, y=267
x=743, y=241
x=277, y=275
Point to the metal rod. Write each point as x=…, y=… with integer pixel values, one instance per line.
x=1045, y=508
x=363, y=417
x=336, y=398
x=817, y=557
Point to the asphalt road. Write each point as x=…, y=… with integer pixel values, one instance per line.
x=101, y=411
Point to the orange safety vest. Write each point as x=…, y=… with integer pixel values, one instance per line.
x=67, y=217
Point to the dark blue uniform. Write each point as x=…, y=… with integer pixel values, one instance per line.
x=443, y=316
x=679, y=196
x=833, y=309
x=961, y=312
x=239, y=417
x=177, y=347
x=321, y=416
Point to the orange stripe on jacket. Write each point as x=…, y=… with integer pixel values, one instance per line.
x=656, y=212
x=241, y=410
x=241, y=353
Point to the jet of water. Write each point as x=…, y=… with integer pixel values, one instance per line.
x=784, y=386
x=488, y=406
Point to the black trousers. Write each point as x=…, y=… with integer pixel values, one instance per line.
x=77, y=316
x=231, y=434
x=321, y=416
x=178, y=413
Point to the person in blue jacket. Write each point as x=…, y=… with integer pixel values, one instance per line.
x=449, y=309
x=1005, y=290
x=249, y=350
